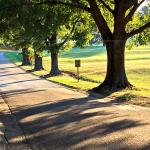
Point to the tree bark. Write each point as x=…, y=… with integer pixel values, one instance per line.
x=25, y=57
x=54, y=65
x=38, y=62
x=116, y=78
x=54, y=56
x=116, y=75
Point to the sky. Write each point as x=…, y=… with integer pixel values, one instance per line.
x=144, y=4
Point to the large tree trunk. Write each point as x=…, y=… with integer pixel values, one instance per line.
x=116, y=76
x=54, y=56
x=38, y=62
x=54, y=65
x=25, y=57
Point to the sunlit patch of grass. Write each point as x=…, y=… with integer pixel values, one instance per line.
x=72, y=82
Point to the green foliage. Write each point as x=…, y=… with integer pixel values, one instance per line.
x=130, y=45
x=30, y=25
x=139, y=19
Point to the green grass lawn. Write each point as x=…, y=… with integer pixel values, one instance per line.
x=93, y=68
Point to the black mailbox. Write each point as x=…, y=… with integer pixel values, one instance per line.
x=77, y=63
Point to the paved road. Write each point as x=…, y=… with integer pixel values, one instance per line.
x=56, y=118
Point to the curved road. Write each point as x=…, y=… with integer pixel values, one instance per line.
x=53, y=117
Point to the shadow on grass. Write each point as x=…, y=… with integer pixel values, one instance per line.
x=71, y=74
x=132, y=59
x=139, y=71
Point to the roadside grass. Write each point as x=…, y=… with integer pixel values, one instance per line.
x=93, y=70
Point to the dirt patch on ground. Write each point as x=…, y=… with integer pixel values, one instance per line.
x=142, y=101
x=134, y=99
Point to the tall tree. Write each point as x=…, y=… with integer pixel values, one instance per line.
x=71, y=33
x=58, y=29
x=113, y=32
x=20, y=33
x=13, y=31
x=15, y=38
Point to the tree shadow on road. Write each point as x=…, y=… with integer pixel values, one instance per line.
x=5, y=75
x=21, y=81
x=78, y=124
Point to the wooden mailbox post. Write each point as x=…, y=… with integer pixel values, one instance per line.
x=78, y=65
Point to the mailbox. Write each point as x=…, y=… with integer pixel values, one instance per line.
x=77, y=63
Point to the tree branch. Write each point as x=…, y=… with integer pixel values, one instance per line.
x=68, y=36
x=139, y=30
x=100, y=20
x=131, y=13
x=106, y=6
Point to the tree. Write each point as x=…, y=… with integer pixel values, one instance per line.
x=20, y=33
x=15, y=38
x=49, y=29
x=59, y=29
x=12, y=30
x=34, y=37
x=114, y=35
x=27, y=21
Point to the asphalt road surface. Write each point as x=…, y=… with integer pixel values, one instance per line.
x=53, y=117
